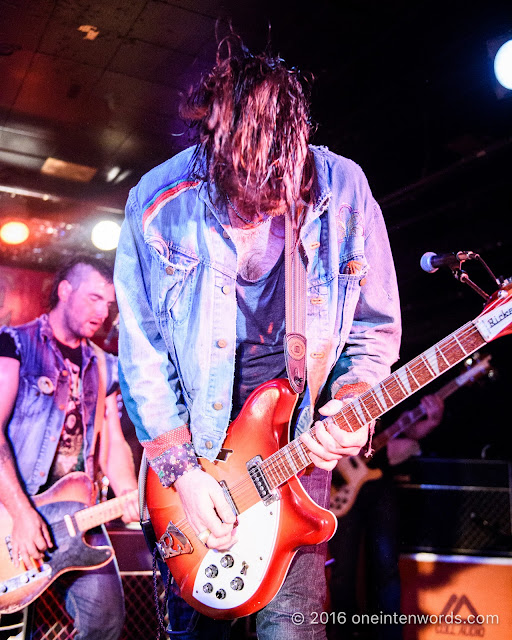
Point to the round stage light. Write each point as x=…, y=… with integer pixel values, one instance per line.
x=105, y=235
x=503, y=65
x=14, y=232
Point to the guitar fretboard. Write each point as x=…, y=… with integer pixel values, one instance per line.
x=293, y=458
x=103, y=512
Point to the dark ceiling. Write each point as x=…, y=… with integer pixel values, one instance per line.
x=403, y=88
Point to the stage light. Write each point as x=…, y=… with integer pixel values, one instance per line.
x=14, y=232
x=105, y=235
x=503, y=65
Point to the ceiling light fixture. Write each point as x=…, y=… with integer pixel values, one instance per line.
x=91, y=33
x=113, y=173
x=68, y=170
x=14, y=232
x=499, y=51
x=503, y=65
x=105, y=235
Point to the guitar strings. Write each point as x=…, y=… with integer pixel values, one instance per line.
x=295, y=450
x=392, y=384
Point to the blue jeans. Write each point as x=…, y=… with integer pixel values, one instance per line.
x=95, y=599
x=303, y=593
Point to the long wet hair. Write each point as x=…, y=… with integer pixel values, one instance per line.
x=251, y=116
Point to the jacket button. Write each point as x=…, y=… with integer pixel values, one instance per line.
x=314, y=245
x=362, y=282
x=169, y=270
x=226, y=289
x=41, y=473
x=217, y=406
x=62, y=407
x=52, y=438
x=208, y=444
x=222, y=343
x=65, y=373
x=225, y=234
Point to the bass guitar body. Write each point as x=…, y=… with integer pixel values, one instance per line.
x=19, y=586
x=354, y=472
x=272, y=525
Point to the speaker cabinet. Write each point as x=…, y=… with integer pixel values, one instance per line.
x=50, y=620
x=456, y=506
x=462, y=596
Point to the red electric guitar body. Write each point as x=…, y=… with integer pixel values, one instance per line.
x=258, y=470
x=269, y=535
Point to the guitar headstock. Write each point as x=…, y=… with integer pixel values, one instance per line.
x=476, y=366
x=495, y=320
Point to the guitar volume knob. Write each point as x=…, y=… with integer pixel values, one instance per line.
x=237, y=584
x=211, y=571
x=208, y=587
x=220, y=594
x=227, y=561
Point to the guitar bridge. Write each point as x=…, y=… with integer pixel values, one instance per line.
x=26, y=578
x=173, y=542
x=260, y=482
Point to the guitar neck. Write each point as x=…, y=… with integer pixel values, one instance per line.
x=103, y=511
x=401, y=384
x=412, y=417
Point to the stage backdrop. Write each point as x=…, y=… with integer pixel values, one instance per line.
x=23, y=294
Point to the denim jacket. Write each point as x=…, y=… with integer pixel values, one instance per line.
x=38, y=418
x=175, y=276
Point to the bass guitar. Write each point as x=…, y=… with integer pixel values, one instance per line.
x=258, y=473
x=64, y=507
x=354, y=472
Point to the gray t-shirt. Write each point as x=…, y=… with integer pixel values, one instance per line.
x=260, y=330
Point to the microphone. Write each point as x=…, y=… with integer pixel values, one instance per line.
x=431, y=261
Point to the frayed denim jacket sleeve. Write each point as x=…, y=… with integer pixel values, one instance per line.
x=148, y=379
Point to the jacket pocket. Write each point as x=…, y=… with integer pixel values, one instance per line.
x=350, y=280
x=33, y=389
x=176, y=276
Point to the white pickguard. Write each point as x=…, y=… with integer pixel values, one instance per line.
x=257, y=533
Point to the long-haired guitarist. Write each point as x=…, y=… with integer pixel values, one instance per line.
x=49, y=377
x=200, y=279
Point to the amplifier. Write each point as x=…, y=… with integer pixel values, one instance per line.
x=456, y=506
x=463, y=596
x=50, y=621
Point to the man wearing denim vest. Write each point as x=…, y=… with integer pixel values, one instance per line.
x=200, y=282
x=49, y=376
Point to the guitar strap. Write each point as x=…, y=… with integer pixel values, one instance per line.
x=93, y=459
x=295, y=306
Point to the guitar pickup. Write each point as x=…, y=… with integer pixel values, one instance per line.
x=260, y=482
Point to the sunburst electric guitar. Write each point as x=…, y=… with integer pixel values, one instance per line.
x=64, y=506
x=354, y=472
x=258, y=473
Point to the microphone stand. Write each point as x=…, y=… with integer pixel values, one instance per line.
x=463, y=277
